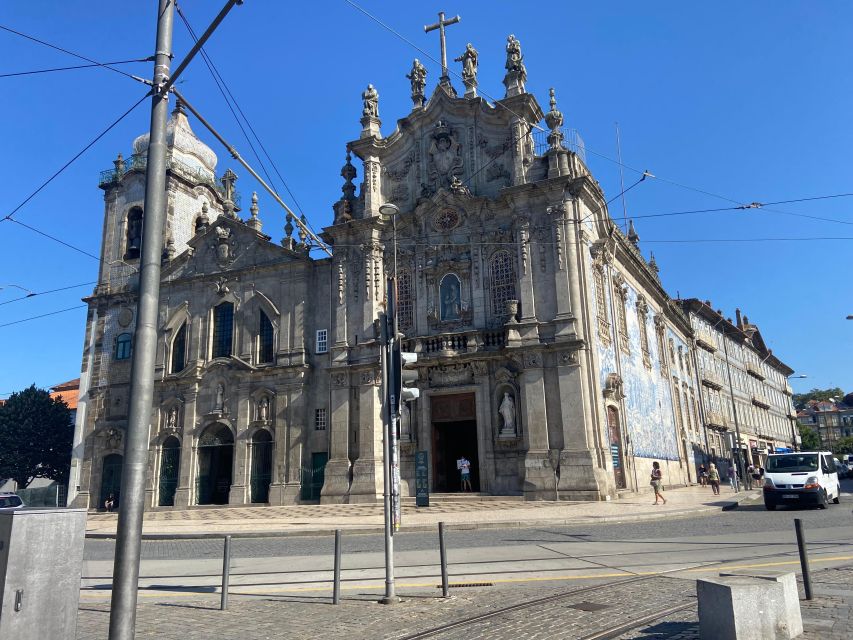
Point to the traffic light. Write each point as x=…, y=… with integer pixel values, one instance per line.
x=404, y=378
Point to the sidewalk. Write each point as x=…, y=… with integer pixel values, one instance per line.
x=458, y=514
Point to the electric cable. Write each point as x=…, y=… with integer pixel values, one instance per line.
x=71, y=161
x=105, y=65
x=77, y=66
x=55, y=239
x=44, y=315
x=41, y=293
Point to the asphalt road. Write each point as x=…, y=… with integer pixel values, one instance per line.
x=748, y=537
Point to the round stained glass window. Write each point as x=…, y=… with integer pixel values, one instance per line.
x=446, y=219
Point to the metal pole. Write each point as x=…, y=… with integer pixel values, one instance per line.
x=804, y=558
x=442, y=550
x=336, y=589
x=390, y=596
x=132, y=503
x=226, y=573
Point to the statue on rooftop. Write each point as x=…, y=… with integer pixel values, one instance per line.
x=516, y=73
x=371, y=102
x=417, y=76
x=469, y=70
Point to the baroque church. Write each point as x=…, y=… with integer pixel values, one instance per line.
x=549, y=353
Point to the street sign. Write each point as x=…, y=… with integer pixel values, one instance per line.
x=421, y=479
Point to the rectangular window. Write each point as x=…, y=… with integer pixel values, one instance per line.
x=320, y=420
x=322, y=342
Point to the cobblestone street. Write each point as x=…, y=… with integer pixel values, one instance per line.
x=576, y=613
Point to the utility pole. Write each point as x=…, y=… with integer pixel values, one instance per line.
x=129, y=532
x=388, y=322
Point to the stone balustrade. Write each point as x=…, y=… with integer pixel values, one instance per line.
x=473, y=341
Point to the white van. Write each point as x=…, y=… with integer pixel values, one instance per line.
x=801, y=478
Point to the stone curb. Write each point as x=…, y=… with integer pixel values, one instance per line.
x=451, y=526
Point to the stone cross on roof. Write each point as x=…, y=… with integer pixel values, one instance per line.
x=440, y=25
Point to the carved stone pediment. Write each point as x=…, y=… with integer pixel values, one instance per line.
x=451, y=375
x=613, y=387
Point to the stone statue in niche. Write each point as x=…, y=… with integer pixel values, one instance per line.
x=172, y=420
x=451, y=301
x=370, y=96
x=219, y=403
x=445, y=161
x=507, y=411
x=264, y=409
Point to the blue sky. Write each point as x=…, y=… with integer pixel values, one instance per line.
x=746, y=100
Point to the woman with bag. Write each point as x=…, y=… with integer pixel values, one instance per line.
x=714, y=478
x=657, y=482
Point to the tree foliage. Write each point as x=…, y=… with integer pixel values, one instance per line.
x=811, y=440
x=842, y=446
x=800, y=399
x=36, y=436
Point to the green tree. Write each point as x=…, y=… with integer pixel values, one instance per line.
x=842, y=446
x=811, y=440
x=800, y=399
x=36, y=435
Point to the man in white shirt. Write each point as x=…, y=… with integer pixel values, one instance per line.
x=464, y=466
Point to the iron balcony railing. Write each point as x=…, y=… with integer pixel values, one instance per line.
x=139, y=162
x=571, y=140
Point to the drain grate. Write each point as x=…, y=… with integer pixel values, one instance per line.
x=589, y=606
x=462, y=585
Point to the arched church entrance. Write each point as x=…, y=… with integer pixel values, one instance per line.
x=261, y=460
x=170, y=466
x=215, y=465
x=454, y=435
x=111, y=479
x=614, y=429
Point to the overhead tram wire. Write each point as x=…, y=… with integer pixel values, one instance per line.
x=55, y=239
x=224, y=88
x=71, y=161
x=44, y=315
x=105, y=65
x=42, y=293
x=72, y=68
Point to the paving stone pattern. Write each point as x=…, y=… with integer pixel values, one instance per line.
x=826, y=617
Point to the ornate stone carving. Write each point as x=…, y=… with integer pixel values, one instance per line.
x=532, y=359
x=263, y=411
x=339, y=380
x=370, y=97
x=504, y=375
x=369, y=376
x=113, y=438
x=171, y=427
x=480, y=368
x=568, y=357
x=417, y=76
x=221, y=287
x=458, y=187
x=613, y=387
x=445, y=160
x=224, y=247
x=446, y=219
x=469, y=70
x=554, y=120
x=516, y=73
x=450, y=375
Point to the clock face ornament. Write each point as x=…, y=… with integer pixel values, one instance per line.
x=446, y=219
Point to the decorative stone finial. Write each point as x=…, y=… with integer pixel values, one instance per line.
x=179, y=108
x=370, y=121
x=554, y=120
x=469, y=70
x=417, y=76
x=228, y=180
x=303, y=235
x=344, y=207
x=287, y=242
x=516, y=73
x=254, y=221
x=202, y=222
x=653, y=265
x=633, y=236
x=120, y=167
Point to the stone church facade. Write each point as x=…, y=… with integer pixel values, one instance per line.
x=549, y=353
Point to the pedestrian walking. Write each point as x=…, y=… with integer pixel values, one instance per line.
x=750, y=474
x=733, y=478
x=714, y=479
x=703, y=475
x=657, y=482
x=464, y=466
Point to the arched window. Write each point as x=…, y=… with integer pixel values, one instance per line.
x=405, y=308
x=179, y=350
x=223, y=330
x=502, y=275
x=265, y=340
x=123, y=346
x=133, y=239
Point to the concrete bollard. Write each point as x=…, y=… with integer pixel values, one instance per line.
x=741, y=608
x=792, y=616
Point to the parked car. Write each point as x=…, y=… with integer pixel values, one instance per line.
x=11, y=501
x=801, y=478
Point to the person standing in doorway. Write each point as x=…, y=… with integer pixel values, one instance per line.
x=464, y=466
x=714, y=478
x=657, y=482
